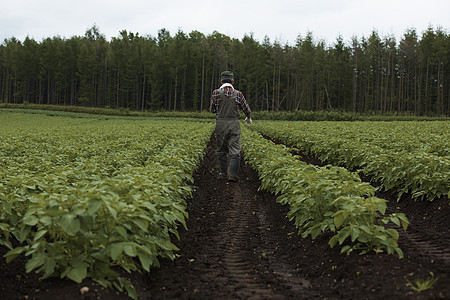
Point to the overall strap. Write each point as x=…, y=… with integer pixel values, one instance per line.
x=228, y=108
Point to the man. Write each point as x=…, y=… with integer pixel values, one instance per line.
x=225, y=103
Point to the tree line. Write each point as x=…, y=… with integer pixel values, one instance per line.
x=178, y=72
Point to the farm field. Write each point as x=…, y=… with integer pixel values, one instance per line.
x=238, y=241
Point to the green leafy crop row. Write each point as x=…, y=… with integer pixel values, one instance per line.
x=407, y=157
x=79, y=197
x=324, y=199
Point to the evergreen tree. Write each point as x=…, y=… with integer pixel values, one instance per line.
x=368, y=74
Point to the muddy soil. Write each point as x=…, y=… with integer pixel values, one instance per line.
x=240, y=245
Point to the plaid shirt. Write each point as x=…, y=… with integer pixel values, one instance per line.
x=228, y=91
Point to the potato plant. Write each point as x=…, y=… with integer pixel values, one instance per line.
x=323, y=199
x=80, y=197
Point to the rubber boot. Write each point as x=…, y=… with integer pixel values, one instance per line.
x=235, y=161
x=223, y=165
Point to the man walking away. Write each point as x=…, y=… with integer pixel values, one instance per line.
x=225, y=103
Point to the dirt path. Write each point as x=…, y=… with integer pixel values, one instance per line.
x=235, y=241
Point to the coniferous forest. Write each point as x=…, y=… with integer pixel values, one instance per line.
x=373, y=74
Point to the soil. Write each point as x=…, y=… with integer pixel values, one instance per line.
x=240, y=245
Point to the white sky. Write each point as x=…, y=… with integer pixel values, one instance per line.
x=280, y=20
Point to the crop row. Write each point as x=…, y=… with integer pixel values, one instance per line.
x=407, y=157
x=79, y=197
x=324, y=198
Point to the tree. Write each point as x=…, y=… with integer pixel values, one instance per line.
x=372, y=75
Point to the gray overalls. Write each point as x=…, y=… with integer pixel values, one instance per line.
x=228, y=134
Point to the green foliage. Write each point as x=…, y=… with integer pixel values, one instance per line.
x=324, y=199
x=101, y=113
x=108, y=113
x=331, y=115
x=408, y=157
x=84, y=195
x=422, y=284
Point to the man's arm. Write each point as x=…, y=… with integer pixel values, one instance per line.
x=244, y=105
x=213, y=102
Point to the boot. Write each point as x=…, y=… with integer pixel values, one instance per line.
x=223, y=165
x=235, y=161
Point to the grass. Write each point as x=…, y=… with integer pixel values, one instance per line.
x=422, y=284
x=299, y=115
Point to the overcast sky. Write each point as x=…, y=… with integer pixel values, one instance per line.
x=280, y=20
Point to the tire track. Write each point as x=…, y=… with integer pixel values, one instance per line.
x=241, y=237
x=240, y=225
x=420, y=243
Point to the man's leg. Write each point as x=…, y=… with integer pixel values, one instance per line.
x=223, y=165
x=222, y=149
x=234, y=146
x=235, y=161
